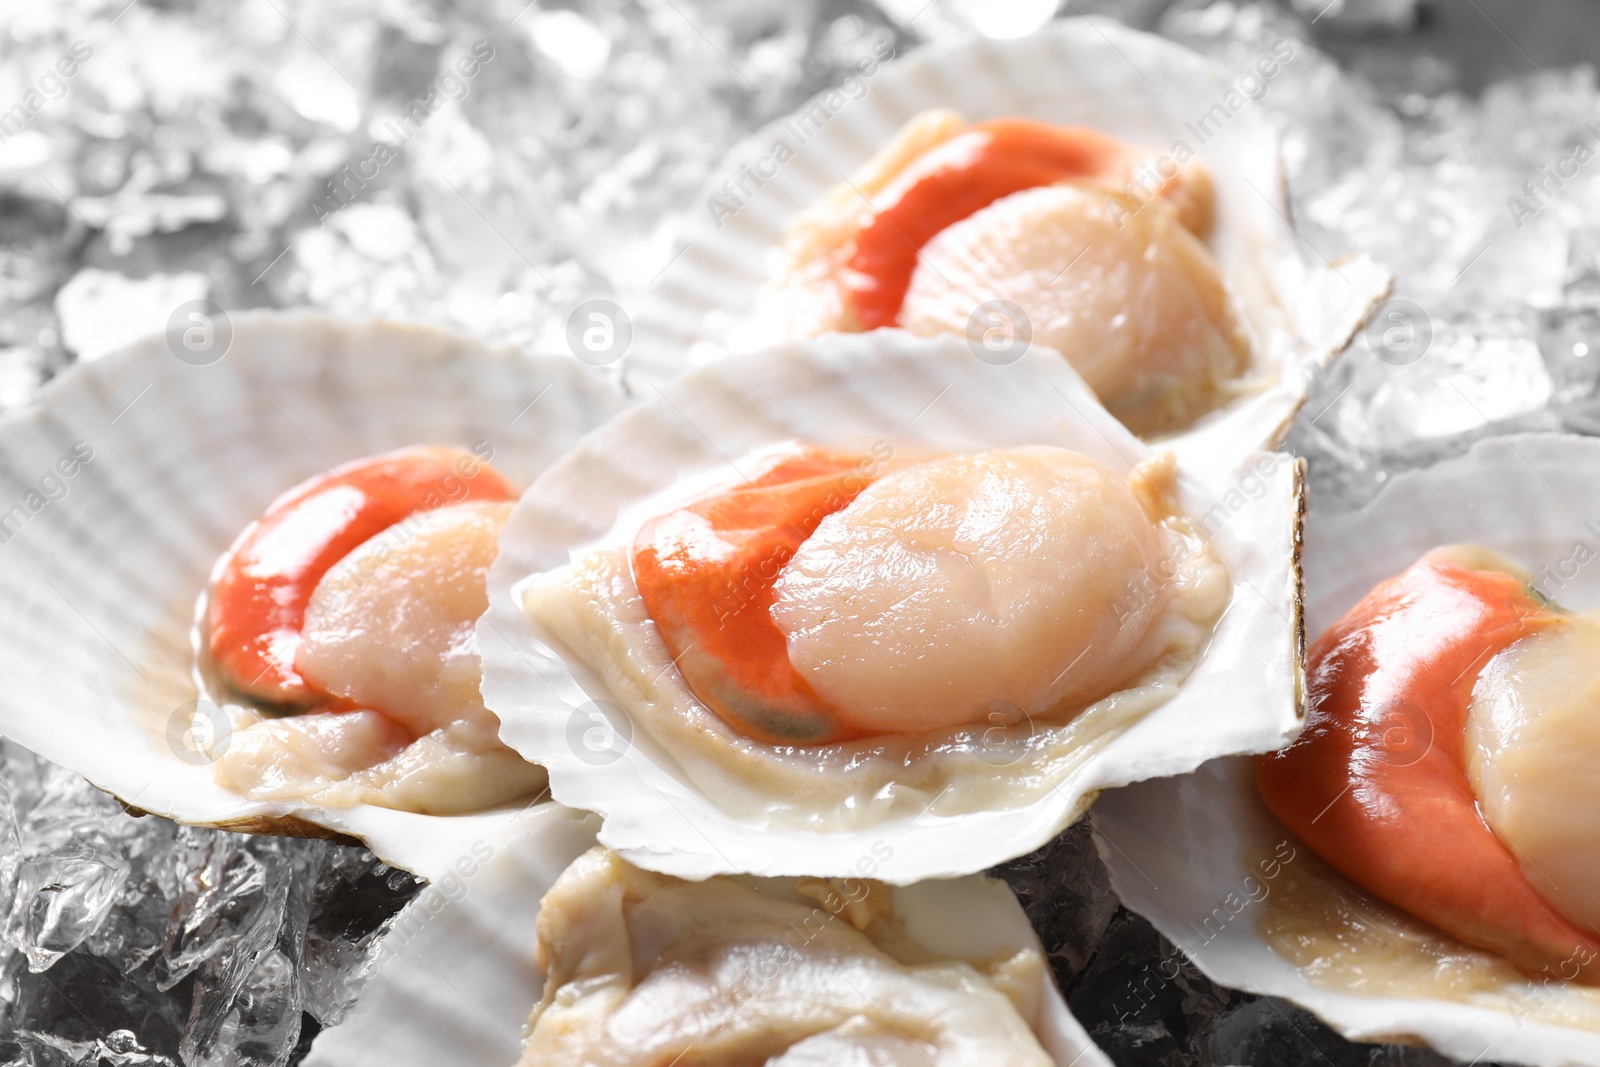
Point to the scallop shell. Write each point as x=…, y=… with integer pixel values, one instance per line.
x=456, y=979
x=1085, y=71
x=920, y=395
x=102, y=579
x=1177, y=848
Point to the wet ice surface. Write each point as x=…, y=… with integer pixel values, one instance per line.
x=135, y=941
x=1142, y=1001
x=1487, y=210
x=255, y=154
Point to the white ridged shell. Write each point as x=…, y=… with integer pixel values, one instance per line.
x=1176, y=848
x=457, y=981
x=1086, y=71
x=921, y=395
x=101, y=584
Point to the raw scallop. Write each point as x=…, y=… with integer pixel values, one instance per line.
x=990, y=581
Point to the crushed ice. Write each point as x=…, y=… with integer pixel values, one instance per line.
x=270, y=154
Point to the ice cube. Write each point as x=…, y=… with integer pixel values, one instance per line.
x=1142, y=1001
x=1569, y=343
x=103, y=310
x=1569, y=336
x=61, y=897
x=1067, y=894
x=354, y=899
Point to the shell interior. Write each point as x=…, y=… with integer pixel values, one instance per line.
x=456, y=978
x=104, y=573
x=1178, y=849
x=1303, y=308
x=920, y=395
